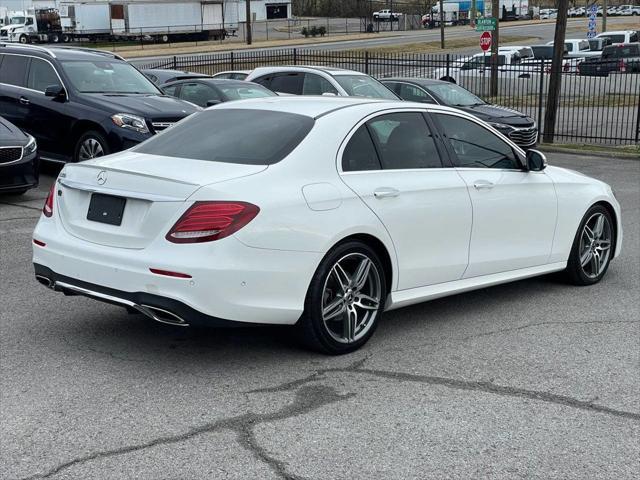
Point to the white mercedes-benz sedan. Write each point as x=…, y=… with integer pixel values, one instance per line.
x=319, y=212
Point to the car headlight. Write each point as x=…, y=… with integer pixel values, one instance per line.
x=31, y=146
x=500, y=126
x=132, y=122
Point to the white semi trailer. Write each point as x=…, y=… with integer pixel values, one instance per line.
x=162, y=21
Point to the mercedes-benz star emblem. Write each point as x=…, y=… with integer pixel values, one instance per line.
x=102, y=177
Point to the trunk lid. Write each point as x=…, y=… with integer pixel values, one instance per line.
x=154, y=189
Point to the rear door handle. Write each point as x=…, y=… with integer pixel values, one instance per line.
x=386, y=192
x=24, y=101
x=483, y=185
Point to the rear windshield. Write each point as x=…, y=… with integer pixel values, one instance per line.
x=243, y=136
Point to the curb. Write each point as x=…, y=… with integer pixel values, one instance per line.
x=577, y=150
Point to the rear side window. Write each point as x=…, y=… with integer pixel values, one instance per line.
x=360, y=153
x=243, y=136
x=13, y=70
x=404, y=141
x=317, y=85
x=41, y=76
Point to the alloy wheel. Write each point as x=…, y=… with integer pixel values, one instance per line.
x=595, y=245
x=90, y=148
x=351, y=298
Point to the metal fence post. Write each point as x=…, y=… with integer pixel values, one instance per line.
x=175, y=62
x=540, y=94
x=295, y=56
x=638, y=122
x=366, y=62
x=448, y=64
x=233, y=63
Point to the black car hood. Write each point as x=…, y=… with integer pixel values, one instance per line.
x=10, y=135
x=496, y=114
x=148, y=106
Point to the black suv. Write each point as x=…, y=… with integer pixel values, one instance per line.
x=81, y=103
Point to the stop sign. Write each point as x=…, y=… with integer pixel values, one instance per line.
x=485, y=41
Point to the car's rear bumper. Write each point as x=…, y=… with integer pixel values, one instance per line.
x=227, y=279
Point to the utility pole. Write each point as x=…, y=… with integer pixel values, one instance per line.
x=555, y=81
x=391, y=17
x=495, y=39
x=441, y=25
x=248, y=22
x=604, y=15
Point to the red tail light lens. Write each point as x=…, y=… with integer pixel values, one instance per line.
x=209, y=221
x=48, y=203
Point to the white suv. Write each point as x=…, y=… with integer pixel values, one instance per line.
x=320, y=81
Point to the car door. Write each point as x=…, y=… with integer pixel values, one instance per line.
x=287, y=82
x=314, y=84
x=13, y=78
x=514, y=210
x=400, y=170
x=50, y=119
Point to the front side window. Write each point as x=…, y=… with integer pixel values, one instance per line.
x=13, y=70
x=198, y=93
x=412, y=93
x=404, y=141
x=171, y=90
x=287, y=83
x=475, y=146
x=220, y=135
x=107, y=77
x=364, y=86
x=41, y=75
x=317, y=85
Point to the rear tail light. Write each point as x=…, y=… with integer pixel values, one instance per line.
x=622, y=67
x=209, y=221
x=48, y=203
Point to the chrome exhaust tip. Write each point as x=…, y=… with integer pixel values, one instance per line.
x=46, y=281
x=163, y=316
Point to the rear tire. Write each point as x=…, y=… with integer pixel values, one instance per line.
x=345, y=300
x=24, y=39
x=593, y=248
x=90, y=145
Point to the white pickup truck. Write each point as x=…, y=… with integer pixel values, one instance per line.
x=386, y=16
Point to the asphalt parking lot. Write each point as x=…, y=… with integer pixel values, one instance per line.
x=535, y=379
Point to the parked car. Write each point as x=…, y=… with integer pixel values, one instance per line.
x=319, y=218
x=479, y=65
x=320, y=81
x=577, y=48
x=621, y=36
x=233, y=74
x=18, y=159
x=517, y=126
x=548, y=13
x=160, y=76
x=206, y=92
x=620, y=57
x=386, y=15
x=80, y=103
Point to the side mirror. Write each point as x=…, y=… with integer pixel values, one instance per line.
x=211, y=103
x=536, y=161
x=54, y=91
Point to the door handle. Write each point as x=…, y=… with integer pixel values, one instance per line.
x=24, y=101
x=386, y=192
x=483, y=185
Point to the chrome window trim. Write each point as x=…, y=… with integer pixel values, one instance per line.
x=66, y=91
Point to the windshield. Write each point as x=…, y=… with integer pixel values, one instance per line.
x=107, y=77
x=453, y=95
x=240, y=92
x=17, y=20
x=220, y=135
x=364, y=86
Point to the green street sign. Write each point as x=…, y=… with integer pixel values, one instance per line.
x=486, y=24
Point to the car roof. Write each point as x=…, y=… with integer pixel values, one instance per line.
x=416, y=80
x=59, y=52
x=319, y=106
x=306, y=68
x=214, y=81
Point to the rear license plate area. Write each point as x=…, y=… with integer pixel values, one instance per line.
x=106, y=209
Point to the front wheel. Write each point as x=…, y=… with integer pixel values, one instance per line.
x=90, y=145
x=345, y=300
x=23, y=39
x=592, y=247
